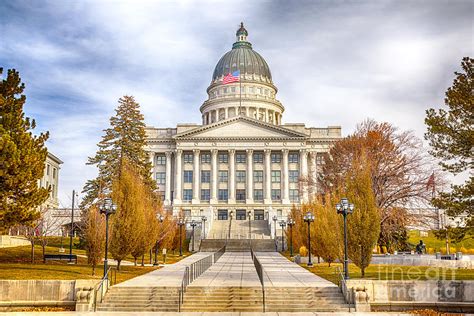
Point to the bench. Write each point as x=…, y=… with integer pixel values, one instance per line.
x=60, y=257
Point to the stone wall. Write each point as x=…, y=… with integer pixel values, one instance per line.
x=13, y=241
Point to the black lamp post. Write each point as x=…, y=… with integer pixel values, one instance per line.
x=250, y=225
x=275, y=218
x=291, y=223
x=204, y=219
x=193, y=224
x=160, y=219
x=309, y=218
x=180, y=224
x=282, y=225
x=345, y=208
x=107, y=208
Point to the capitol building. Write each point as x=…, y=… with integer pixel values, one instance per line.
x=243, y=162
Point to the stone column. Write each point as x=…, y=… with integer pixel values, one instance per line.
x=152, y=161
x=168, y=178
x=196, y=176
x=249, y=190
x=304, y=173
x=313, y=173
x=226, y=111
x=266, y=115
x=246, y=111
x=286, y=182
x=268, y=177
x=232, y=176
x=178, y=176
x=214, y=176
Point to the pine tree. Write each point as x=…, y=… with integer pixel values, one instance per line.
x=22, y=157
x=451, y=136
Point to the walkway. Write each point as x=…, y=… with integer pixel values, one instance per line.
x=170, y=275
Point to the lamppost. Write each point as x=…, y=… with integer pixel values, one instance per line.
x=275, y=218
x=291, y=223
x=193, y=224
x=345, y=208
x=107, y=208
x=180, y=224
x=282, y=225
x=160, y=219
x=250, y=225
x=309, y=218
x=204, y=219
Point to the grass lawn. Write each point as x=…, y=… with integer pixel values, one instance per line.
x=432, y=242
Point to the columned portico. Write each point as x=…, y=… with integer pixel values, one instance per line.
x=214, y=176
x=268, y=178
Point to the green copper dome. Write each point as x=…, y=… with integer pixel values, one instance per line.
x=242, y=57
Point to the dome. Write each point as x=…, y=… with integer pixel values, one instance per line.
x=242, y=57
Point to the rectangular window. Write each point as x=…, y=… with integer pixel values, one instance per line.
x=293, y=158
x=205, y=194
x=161, y=195
x=232, y=89
x=161, y=160
x=240, y=176
x=223, y=158
x=205, y=158
x=293, y=176
x=188, y=158
x=187, y=213
x=320, y=159
x=294, y=195
x=188, y=176
x=276, y=176
x=258, y=158
x=47, y=169
x=276, y=157
x=161, y=177
x=258, y=195
x=223, y=195
x=240, y=195
x=258, y=176
x=276, y=194
x=205, y=176
x=187, y=194
x=223, y=176
x=240, y=158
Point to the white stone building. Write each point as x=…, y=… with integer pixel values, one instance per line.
x=243, y=157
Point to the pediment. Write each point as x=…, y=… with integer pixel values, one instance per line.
x=240, y=127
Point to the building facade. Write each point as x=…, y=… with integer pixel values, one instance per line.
x=242, y=160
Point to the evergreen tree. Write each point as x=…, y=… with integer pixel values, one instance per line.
x=451, y=136
x=22, y=157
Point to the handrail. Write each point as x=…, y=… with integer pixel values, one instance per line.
x=259, y=268
x=109, y=281
x=341, y=282
x=219, y=253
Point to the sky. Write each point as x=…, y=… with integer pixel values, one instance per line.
x=335, y=63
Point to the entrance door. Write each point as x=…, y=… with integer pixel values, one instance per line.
x=222, y=215
x=258, y=215
x=240, y=215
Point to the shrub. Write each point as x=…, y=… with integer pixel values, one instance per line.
x=303, y=251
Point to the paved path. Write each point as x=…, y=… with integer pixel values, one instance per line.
x=280, y=272
x=197, y=314
x=170, y=275
x=233, y=269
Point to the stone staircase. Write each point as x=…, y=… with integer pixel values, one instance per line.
x=222, y=299
x=305, y=299
x=134, y=299
x=212, y=245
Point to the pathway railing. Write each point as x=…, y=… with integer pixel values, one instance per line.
x=341, y=282
x=107, y=281
x=259, y=268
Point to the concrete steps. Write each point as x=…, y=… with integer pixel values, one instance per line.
x=225, y=299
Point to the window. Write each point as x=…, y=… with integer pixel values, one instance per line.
x=293, y=176
x=240, y=176
x=225, y=90
x=223, y=158
x=293, y=158
x=161, y=177
x=232, y=89
x=258, y=158
x=187, y=213
x=223, y=195
x=161, y=160
x=47, y=169
x=258, y=176
x=276, y=194
x=188, y=158
x=223, y=176
x=187, y=194
x=276, y=157
x=205, y=194
x=240, y=158
x=251, y=90
x=294, y=195
x=320, y=159
x=205, y=176
x=188, y=176
x=240, y=195
x=161, y=195
x=276, y=176
x=206, y=158
x=258, y=195
x=54, y=173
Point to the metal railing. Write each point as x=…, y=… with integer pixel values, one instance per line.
x=259, y=268
x=219, y=254
x=341, y=282
x=107, y=281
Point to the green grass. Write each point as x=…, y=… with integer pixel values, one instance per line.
x=432, y=242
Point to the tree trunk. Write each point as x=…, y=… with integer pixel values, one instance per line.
x=118, y=264
x=93, y=269
x=32, y=251
x=135, y=261
x=143, y=260
x=362, y=271
x=43, y=248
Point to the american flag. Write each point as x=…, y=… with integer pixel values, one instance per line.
x=231, y=77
